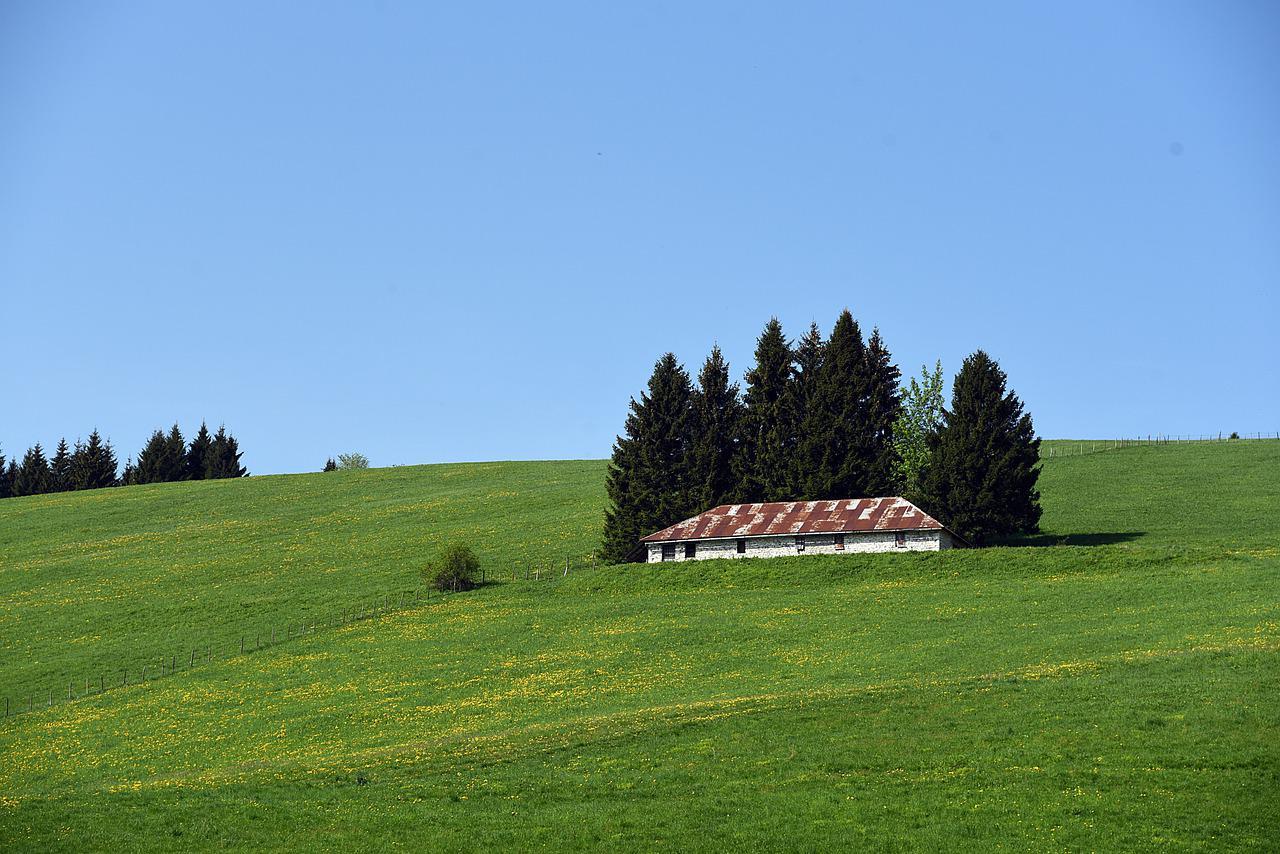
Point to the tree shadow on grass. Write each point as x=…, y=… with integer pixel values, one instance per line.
x=1096, y=539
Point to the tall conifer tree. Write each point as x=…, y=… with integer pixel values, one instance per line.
x=60, y=468
x=154, y=464
x=831, y=455
x=6, y=487
x=770, y=423
x=717, y=414
x=224, y=456
x=33, y=476
x=884, y=403
x=649, y=479
x=810, y=353
x=10, y=478
x=984, y=461
x=176, y=459
x=196, y=464
x=94, y=464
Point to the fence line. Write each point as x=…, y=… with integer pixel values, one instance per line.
x=133, y=674
x=1080, y=447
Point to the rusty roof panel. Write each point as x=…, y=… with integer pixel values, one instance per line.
x=845, y=516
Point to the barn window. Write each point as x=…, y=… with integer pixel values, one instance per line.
x=839, y=542
x=900, y=540
x=690, y=550
x=799, y=542
x=668, y=551
x=742, y=546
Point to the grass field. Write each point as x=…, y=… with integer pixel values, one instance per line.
x=1112, y=684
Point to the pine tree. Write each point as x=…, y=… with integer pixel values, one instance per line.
x=33, y=476
x=832, y=457
x=884, y=403
x=649, y=479
x=6, y=484
x=154, y=464
x=177, y=456
x=767, y=444
x=130, y=475
x=93, y=465
x=196, y=463
x=224, y=456
x=60, y=468
x=10, y=479
x=717, y=415
x=919, y=418
x=984, y=461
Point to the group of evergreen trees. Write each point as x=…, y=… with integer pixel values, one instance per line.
x=816, y=421
x=824, y=418
x=168, y=457
x=89, y=465
x=92, y=464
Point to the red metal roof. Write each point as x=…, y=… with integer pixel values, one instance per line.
x=846, y=516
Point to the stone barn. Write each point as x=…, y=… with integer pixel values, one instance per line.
x=780, y=528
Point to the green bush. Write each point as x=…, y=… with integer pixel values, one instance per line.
x=456, y=569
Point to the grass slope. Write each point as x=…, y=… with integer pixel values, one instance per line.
x=1117, y=695
x=92, y=582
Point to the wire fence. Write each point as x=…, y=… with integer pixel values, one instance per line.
x=1051, y=448
x=192, y=656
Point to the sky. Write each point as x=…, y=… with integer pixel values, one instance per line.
x=437, y=232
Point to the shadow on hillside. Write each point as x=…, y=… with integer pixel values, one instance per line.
x=1098, y=539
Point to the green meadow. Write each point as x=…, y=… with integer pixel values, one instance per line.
x=1108, y=684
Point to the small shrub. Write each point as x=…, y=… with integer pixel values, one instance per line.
x=353, y=461
x=456, y=569
x=1234, y=435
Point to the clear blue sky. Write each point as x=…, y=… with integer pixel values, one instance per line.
x=459, y=231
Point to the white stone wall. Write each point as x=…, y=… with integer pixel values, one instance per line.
x=820, y=544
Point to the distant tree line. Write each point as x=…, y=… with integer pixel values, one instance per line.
x=823, y=418
x=93, y=464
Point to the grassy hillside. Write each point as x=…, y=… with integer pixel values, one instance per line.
x=116, y=578
x=1091, y=696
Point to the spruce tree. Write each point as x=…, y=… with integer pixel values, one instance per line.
x=832, y=455
x=6, y=487
x=649, y=478
x=767, y=443
x=330, y=465
x=93, y=465
x=196, y=463
x=130, y=475
x=176, y=459
x=884, y=403
x=154, y=463
x=224, y=456
x=60, y=468
x=9, y=479
x=984, y=461
x=717, y=415
x=810, y=353
x=33, y=476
